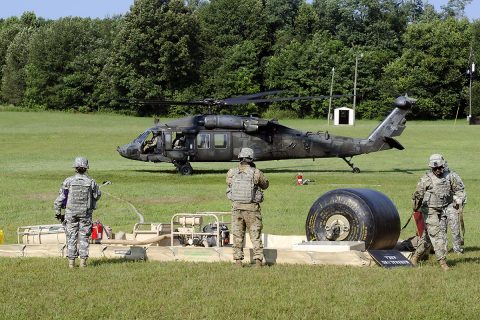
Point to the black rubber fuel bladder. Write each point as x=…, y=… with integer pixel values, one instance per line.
x=354, y=215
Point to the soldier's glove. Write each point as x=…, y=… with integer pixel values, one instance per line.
x=59, y=216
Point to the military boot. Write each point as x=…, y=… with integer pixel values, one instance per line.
x=83, y=263
x=414, y=259
x=258, y=263
x=238, y=263
x=444, y=265
x=71, y=263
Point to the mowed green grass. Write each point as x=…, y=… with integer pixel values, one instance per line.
x=37, y=150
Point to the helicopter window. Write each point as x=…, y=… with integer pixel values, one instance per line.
x=151, y=142
x=220, y=140
x=168, y=138
x=143, y=136
x=203, y=141
x=179, y=141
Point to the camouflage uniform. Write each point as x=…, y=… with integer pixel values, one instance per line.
x=433, y=197
x=78, y=195
x=246, y=213
x=455, y=215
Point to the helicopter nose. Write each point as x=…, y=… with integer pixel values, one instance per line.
x=122, y=151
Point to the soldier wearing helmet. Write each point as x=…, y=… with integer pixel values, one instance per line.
x=245, y=185
x=435, y=192
x=78, y=196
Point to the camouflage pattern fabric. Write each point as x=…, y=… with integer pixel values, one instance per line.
x=78, y=214
x=247, y=215
x=436, y=234
x=78, y=231
x=435, y=197
x=455, y=216
x=454, y=222
x=74, y=209
x=242, y=219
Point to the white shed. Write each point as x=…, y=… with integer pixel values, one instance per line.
x=343, y=116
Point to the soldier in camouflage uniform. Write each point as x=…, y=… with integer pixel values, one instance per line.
x=455, y=215
x=244, y=189
x=78, y=196
x=434, y=193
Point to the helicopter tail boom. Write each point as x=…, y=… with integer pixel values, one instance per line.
x=381, y=137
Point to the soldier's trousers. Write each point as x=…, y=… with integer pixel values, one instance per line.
x=454, y=222
x=78, y=230
x=436, y=228
x=242, y=219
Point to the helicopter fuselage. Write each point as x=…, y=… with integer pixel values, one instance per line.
x=219, y=138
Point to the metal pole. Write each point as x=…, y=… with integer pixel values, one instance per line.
x=355, y=86
x=472, y=69
x=331, y=92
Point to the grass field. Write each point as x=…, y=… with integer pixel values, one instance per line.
x=37, y=153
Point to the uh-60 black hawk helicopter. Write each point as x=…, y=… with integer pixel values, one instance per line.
x=219, y=138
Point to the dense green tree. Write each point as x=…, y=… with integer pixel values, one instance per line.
x=474, y=59
x=363, y=22
x=81, y=85
x=305, y=69
x=60, y=62
x=155, y=53
x=225, y=24
x=13, y=73
x=8, y=30
x=432, y=66
x=413, y=10
x=238, y=74
x=306, y=22
x=193, y=49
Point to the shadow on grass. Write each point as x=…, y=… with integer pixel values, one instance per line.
x=472, y=249
x=99, y=262
x=466, y=260
x=286, y=170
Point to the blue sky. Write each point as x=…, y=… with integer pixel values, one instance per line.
x=53, y=9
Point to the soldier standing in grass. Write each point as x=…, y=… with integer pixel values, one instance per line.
x=455, y=213
x=78, y=196
x=245, y=186
x=435, y=191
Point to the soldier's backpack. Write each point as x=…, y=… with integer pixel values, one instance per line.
x=243, y=186
x=80, y=195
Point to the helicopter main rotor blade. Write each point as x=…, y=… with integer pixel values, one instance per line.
x=247, y=98
x=288, y=99
x=168, y=102
x=239, y=100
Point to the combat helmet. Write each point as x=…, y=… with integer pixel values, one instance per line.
x=80, y=162
x=246, y=153
x=436, y=160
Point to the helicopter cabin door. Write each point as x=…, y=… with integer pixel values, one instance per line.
x=213, y=146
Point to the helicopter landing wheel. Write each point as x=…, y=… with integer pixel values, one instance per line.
x=185, y=169
x=350, y=164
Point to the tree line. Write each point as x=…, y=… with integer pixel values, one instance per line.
x=190, y=50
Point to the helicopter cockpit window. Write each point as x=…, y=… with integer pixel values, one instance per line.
x=151, y=142
x=203, y=141
x=220, y=140
x=141, y=138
